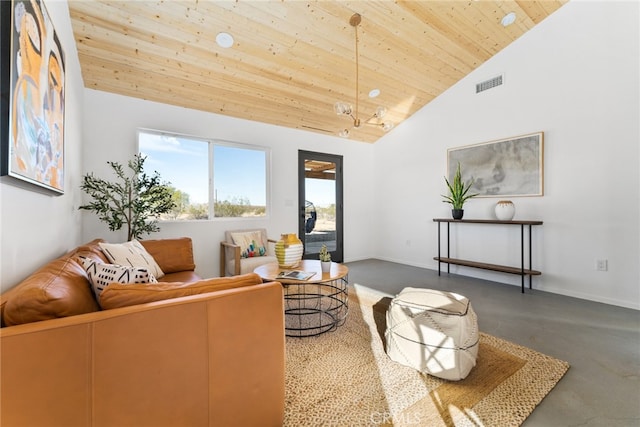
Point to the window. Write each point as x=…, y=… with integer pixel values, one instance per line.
x=209, y=178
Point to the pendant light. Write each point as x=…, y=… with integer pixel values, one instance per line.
x=345, y=109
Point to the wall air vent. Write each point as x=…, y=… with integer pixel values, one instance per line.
x=489, y=84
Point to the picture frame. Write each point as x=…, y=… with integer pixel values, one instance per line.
x=506, y=167
x=32, y=96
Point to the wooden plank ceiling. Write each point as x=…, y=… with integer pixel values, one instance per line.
x=292, y=60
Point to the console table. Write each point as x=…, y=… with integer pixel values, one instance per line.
x=522, y=271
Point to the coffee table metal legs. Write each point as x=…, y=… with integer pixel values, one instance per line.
x=315, y=308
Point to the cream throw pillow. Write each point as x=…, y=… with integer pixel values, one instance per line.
x=131, y=254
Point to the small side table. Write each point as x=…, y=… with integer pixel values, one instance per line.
x=313, y=306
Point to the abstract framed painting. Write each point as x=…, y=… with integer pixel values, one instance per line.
x=506, y=167
x=32, y=86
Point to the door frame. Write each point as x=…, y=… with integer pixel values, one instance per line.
x=338, y=254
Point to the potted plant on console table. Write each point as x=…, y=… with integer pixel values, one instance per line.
x=458, y=193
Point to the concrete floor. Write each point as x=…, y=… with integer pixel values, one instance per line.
x=601, y=342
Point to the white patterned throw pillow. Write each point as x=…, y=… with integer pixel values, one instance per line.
x=131, y=254
x=102, y=275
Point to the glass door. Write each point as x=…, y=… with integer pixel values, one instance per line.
x=320, y=203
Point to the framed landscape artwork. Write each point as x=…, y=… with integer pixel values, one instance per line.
x=506, y=167
x=32, y=84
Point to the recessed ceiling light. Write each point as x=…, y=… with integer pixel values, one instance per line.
x=374, y=92
x=508, y=19
x=224, y=40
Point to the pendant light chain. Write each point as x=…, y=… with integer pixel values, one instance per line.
x=345, y=109
x=357, y=117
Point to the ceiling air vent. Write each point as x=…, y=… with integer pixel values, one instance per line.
x=489, y=84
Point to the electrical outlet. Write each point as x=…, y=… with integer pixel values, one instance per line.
x=602, y=264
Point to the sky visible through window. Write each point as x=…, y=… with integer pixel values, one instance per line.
x=239, y=173
x=320, y=192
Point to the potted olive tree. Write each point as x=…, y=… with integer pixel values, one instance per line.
x=135, y=199
x=458, y=193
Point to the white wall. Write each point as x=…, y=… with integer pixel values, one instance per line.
x=37, y=226
x=110, y=128
x=575, y=77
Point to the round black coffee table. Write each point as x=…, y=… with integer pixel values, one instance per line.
x=313, y=306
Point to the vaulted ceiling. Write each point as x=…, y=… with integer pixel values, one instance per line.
x=292, y=60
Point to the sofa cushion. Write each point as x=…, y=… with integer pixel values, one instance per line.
x=117, y=295
x=89, y=250
x=102, y=275
x=180, y=276
x=131, y=254
x=172, y=255
x=58, y=289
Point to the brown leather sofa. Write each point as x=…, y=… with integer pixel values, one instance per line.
x=185, y=358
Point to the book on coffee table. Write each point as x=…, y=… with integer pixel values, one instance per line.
x=295, y=275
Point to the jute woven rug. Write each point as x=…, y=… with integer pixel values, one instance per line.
x=344, y=378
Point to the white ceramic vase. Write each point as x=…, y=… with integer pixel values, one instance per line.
x=505, y=210
x=325, y=266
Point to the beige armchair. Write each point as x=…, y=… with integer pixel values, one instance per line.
x=244, y=250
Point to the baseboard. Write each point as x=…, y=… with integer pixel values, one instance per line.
x=550, y=289
x=592, y=298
